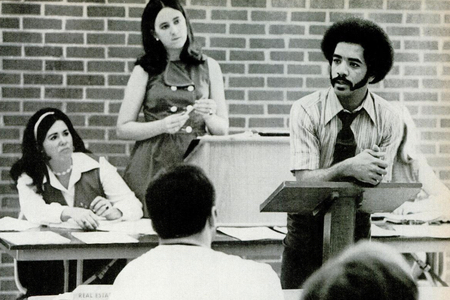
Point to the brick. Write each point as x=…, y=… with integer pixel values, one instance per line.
x=35, y=23
x=317, y=82
x=234, y=94
x=106, y=148
x=134, y=39
x=263, y=95
x=64, y=10
x=218, y=55
x=305, y=69
x=92, y=134
x=124, y=52
x=105, y=11
x=228, y=42
x=266, y=43
x=119, y=25
x=338, y=16
x=284, y=82
x=266, y=122
x=401, y=83
x=6, y=78
x=326, y=4
x=237, y=122
x=438, y=32
x=106, y=66
x=439, y=162
x=278, y=109
x=269, y=16
x=9, y=106
x=420, y=96
x=114, y=107
x=308, y=16
x=128, y=1
x=247, y=29
x=435, y=57
x=422, y=45
x=64, y=38
x=33, y=106
x=247, y=109
x=11, y=148
x=42, y=79
x=287, y=29
x=386, y=18
x=22, y=37
x=209, y=2
x=9, y=92
x=445, y=123
x=85, y=80
x=316, y=56
x=289, y=3
x=196, y=14
x=9, y=134
x=118, y=80
x=403, y=5
x=437, y=5
x=9, y=203
x=305, y=43
x=135, y=12
x=106, y=39
x=265, y=69
x=446, y=71
x=10, y=50
x=209, y=28
x=233, y=15
x=317, y=30
x=436, y=84
x=20, y=9
x=63, y=93
x=88, y=1
x=246, y=82
x=85, y=52
x=366, y=4
x=22, y=64
x=406, y=57
x=85, y=25
x=427, y=149
x=43, y=51
x=246, y=55
x=423, y=18
x=106, y=94
x=60, y=65
x=248, y=3
x=10, y=23
x=403, y=31
x=232, y=68
x=436, y=110
x=286, y=56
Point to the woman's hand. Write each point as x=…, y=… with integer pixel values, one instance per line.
x=85, y=218
x=173, y=123
x=205, y=107
x=103, y=208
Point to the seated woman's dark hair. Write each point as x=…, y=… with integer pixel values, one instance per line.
x=378, y=51
x=180, y=202
x=154, y=61
x=34, y=159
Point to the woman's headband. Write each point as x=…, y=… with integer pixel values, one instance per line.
x=36, y=126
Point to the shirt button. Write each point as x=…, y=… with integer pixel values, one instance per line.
x=173, y=109
x=190, y=88
x=173, y=88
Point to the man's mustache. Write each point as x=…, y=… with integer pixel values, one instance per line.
x=342, y=79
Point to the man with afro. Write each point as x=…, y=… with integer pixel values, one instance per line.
x=343, y=133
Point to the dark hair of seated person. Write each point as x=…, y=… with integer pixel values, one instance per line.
x=367, y=271
x=180, y=202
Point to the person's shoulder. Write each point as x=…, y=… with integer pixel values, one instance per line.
x=308, y=102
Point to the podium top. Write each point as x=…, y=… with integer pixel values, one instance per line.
x=303, y=197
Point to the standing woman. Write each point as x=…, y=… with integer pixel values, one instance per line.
x=58, y=179
x=169, y=80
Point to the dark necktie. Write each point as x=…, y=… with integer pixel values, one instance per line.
x=345, y=142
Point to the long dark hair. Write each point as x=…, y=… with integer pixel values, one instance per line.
x=154, y=60
x=34, y=159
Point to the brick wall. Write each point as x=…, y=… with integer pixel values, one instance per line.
x=76, y=55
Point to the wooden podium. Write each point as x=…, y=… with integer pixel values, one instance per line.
x=245, y=169
x=338, y=201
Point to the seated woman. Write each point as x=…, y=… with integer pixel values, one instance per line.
x=410, y=166
x=365, y=271
x=58, y=179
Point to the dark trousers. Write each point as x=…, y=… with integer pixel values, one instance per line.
x=303, y=246
x=47, y=277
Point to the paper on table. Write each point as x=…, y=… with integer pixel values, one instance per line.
x=97, y=237
x=421, y=217
x=142, y=226
x=34, y=238
x=252, y=233
x=12, y=224
x=71, y=224
x=434, y=231
x=377, y=231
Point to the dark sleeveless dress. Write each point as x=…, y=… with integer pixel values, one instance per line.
x=167, y=93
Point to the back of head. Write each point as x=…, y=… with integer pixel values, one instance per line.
x=378, y=51
x=366, y=271
x=180, y=202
